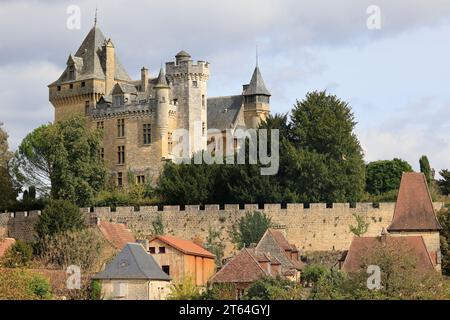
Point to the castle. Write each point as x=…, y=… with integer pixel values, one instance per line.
x=138, y=117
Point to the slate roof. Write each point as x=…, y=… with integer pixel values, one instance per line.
x=93, y=59
x=133, y=263
x=257, y=85
x=161, y=81
x=223, y=111
x=362, y=248
x=185, y=246
x=414, y=209
x=121, y=87
x=183, y=54
x=116, y=233
x=5, y=244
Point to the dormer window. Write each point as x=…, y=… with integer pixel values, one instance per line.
x=118, y=100
x=71, y=73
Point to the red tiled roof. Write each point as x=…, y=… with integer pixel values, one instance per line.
x=280, y=239
x=116, y=233
x=5, y=244
x=362, y=248
x=243, y=267
x=185, y=246
x=414, y=209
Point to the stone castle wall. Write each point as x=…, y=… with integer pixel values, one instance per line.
x=317, y=228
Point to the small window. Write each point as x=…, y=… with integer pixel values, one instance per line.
x=203, y=128
x=147, y=132
x=100, y=125
x=162, y=249
x=83, y=84
x=58, y=88
x=140, y=180
x=203, y=101
x=120, y=290
x=120, y=179
x=152, y=250
x=166, y=269
x=195, y=84
x=121, y=128
x=121, y=154
x=71, y=86
x=169, y=142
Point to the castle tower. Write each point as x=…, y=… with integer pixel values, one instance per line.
x=162, y=111
x=256, y=100
x=89, y=74
x=189, y=83
x=414, y=214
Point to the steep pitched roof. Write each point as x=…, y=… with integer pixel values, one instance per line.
x=257, y=85
x=223, y=112
x=362, y=248
x=185, y=246
x=243, y=268
x=5, y=244
x=133, y=263
x=121, y=87
x=161, y=81
x=116, y=233
x=93, y=59
x=414, y=209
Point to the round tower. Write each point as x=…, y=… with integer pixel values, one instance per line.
x=162, y=111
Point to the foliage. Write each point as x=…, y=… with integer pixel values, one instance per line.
x=384, y=176
x=8, y=187
x=62, y=159
x=425, y=168
x=250, y=228
x=216, y=245
x=158, y=225
x=279, y=288
x=444, y=183
x=58, y=216
x=220, y=291
x=312, y=273
x=133, y=195
x=18, y=255
x=18, y=284
x=96, y=290
x=361, y=226
x=184, y=290
x=444, y=220
x=78, y=247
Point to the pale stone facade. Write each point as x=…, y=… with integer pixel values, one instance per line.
x=135, y=290
x=139, y=117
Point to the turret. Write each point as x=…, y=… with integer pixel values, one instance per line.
x=256, y=100
x=109, y=65
x=162, y=110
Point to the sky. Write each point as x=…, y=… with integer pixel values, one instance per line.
x=396, y=78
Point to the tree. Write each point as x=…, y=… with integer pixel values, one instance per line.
x=361, y=226
x=8, y=187
x=249, y=229
x=186, y=289
x=384, y=176
x=444, y=183
x=158, y=225
x=18, y=256
x=425, y=168
x=62, y=159
x=216, y=245
x=17, y=284
x=58, y=216
x=444, y=221
x=278, y=288
x=311, y=274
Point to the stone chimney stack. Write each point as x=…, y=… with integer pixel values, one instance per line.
x=110, y=66
x=144, y=79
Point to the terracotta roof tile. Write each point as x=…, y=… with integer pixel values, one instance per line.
x=414, y=209
x=5, y=244
x=116, y=233
x=185, y=246
x=362, y=248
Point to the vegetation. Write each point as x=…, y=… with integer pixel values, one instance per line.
x=425, y=168
x=444, y=183
x=275, y=289
x=216, y=245
x=158, y=225
x=361, y=226
x=96, y=290
x=312, y=273
x=384, y=176
x=62, y=159
x=184, y=290
x=249, y=229
x=8, y=187
x=220, y=291
x=444, y=220
x=18, y=284
x=18, y=256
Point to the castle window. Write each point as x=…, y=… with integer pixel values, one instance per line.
x=203, y=101
x=121, y=128
x=100, y=125
x=86, y=108
x=119, y=179
x=195, y=84
x=58, y=88
x=121, y=154
x=203, y=128
x=169, y=142
x=83, y=84
x=140, y=179
x=101, y=153
x=147, y=131
x=152, y=250
x=71, y=86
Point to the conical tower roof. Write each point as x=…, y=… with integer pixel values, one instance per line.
x=161, y=82
x=257, y=85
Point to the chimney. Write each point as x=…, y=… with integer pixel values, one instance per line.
x=110, y=66
x=144, y=79
x=383, y=236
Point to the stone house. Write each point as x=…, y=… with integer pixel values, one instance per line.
x=133, y=274
x=181, y=258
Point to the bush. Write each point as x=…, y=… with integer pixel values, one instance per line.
x=18, y=256
x=275, y=289
x=96, y=290
x=17, y=284
x=249, y=229
x=312, y=273
x=220, y=291
x=184, y=290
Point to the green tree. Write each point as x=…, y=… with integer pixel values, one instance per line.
x=361, y=226
x=58, y=216
x=62, y=159
x=18, y=284
x=216, y=245
x=158, y=225
x=384, y=176
x=186, y=289
x=249, y=229
x=444, y=183
x=312, y=273
x=425, y=168
x=18, y=256
x=278, y=288
x=444, y=220
x=8, y=187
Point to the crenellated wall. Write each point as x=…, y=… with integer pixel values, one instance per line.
x=317, y=228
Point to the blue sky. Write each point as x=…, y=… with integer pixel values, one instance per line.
x=396, y=79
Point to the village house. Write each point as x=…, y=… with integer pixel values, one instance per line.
x=273, y=256
x=181, y=258
x=133, y=274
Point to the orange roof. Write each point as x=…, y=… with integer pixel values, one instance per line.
x=414, y=209
x=185, y=246
x=116, y=233
x=5, y=244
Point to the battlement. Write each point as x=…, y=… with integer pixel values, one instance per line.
x=187, y=67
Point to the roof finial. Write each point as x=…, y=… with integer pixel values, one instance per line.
x=95, y=19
